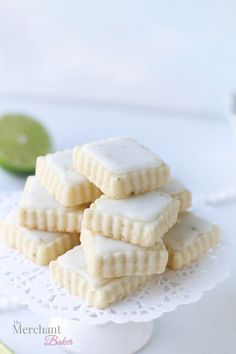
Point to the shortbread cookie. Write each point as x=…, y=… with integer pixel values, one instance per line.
x=40, y=247
x=111, y=258
x=40, y=211
x=178, y=191
x=142, y=219
x=120, y=167
x=189, y=239
x=56, y=173
x=69, y=271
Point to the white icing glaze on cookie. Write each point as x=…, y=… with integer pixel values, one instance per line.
x=122, y=155
x=12, y=217
x=62, y=163
x=74, y=261
x=105, y=245
x=144, y=207
x=173, y=187
x=36, y=196
x=41, y=236
x=37, y=236
x=186, y=230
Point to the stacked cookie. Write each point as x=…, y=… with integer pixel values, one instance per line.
x=127, y=232
x=49, y=218
x=136, y=226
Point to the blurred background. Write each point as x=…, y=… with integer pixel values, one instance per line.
x=177, y=57
x=160, y=72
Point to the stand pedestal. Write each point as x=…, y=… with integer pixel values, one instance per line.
x=106, y=338
x=32, y=286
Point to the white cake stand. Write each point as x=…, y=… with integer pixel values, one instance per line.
x=124, y=327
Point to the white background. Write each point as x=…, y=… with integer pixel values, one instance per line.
x=177, y=55
x=202, y=154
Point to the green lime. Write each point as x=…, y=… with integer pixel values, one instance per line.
x=5, y=349
x=22, y=140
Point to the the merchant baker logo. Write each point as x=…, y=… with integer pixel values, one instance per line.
x=52, y=335
x=18, y=328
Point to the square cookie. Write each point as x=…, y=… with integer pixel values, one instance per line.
x=190, y=239
x=40, y=211
x=109, y=258
x=178, y=191
x=40, y=247
x=69, y=271
x=142, y=219
x=120, y=167
x=62, y=182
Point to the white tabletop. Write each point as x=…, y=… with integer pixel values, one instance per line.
x=202, y=154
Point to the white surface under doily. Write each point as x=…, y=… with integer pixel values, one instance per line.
x=162, y=294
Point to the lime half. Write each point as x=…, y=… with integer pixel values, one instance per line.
x=22, y=140
x=4, y=349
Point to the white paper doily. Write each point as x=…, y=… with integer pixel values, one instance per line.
x=162, y=294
